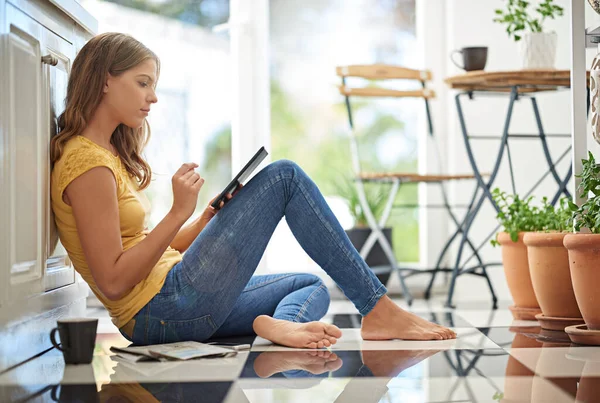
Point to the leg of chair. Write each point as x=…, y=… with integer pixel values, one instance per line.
x=563, y=185
x=459, y=230
x=484, y=186
x=377, y=233
x=489, y=281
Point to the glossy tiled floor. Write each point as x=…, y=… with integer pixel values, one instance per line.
x=493, y=359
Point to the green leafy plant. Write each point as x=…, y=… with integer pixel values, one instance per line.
x=552, y=218
x=515, y=215
x=345, y=187
x=517, y=16
x=520, y=215
x=588, y=214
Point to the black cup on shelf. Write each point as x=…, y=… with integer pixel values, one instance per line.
x=77, y=339
x=473, y=58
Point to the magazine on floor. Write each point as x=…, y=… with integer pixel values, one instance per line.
x=185, y=350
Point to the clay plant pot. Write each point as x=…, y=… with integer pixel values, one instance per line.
x=584, y=257
x=518, y=378
x=550, y=274
x=516, y=270
x=546, y=364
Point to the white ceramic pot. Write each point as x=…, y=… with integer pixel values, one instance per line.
x=538, y=50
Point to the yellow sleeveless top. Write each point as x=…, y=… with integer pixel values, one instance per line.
x=79, y=156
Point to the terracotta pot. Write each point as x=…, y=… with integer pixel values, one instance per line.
x=550, y=274
x=589, y=384
x=516, y=270
x=546, y=364
x=584, y=257
x=519, y=379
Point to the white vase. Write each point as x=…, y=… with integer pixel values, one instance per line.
x=538, y=50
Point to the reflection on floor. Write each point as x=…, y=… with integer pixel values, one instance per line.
x=493, y=359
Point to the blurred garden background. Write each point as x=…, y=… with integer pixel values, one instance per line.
x=308, y=39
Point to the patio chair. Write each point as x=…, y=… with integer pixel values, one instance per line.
x=395, y=179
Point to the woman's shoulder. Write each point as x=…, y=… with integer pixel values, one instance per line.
x=80, y=155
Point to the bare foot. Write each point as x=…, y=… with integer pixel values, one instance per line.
x=388, y=321
x=298, y=335
x=315, y=362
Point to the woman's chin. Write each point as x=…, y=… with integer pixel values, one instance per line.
x=136, y=124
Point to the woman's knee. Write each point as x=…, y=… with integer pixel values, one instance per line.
x=284, y=166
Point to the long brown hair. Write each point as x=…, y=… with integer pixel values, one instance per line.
x=114, y=53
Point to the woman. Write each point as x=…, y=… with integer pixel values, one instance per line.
x=155, y=294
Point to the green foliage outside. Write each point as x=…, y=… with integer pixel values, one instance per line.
x=326, y=160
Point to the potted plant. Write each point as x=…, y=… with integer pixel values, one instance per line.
x=584, y=245
x=517, y=216
x=549, y=266
x=538, y=48
x=345, y=187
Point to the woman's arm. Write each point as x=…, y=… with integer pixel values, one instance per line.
x=93, y=197
x=186, y=235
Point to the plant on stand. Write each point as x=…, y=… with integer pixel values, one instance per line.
x=538, y=48
x=345, y=187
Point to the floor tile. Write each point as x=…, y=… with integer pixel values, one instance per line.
x=526, y=337
x=378, y=363
x=467, y=338
x=367, y=390
x=494, y=359
x=51, y=369
x=492, y=318
x=448, y=319
x=568, y=362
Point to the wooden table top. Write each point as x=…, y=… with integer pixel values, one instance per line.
x=503, y=81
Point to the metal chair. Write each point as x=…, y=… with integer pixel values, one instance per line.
x=387, y=72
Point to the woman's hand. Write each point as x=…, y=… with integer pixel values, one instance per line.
x=210, y=212
x=186, y=185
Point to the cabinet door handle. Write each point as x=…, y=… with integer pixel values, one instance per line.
x=49, y=59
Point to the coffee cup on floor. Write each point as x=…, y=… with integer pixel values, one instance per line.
x=77, y=339
x=473, y=58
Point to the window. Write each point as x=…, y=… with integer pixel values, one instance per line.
x=309, y=124
x=191, y=121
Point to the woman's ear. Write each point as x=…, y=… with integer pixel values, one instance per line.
x=107, y=81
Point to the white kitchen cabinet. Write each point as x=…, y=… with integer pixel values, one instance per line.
x=24, y=166
x=38, y=285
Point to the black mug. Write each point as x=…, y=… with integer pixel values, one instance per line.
x=77, y=339
x=474, y=58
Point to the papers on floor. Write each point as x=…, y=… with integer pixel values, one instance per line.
x=185, y=350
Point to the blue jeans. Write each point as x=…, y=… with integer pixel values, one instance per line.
x=212, y=292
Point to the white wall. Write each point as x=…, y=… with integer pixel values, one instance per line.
x=460, y=23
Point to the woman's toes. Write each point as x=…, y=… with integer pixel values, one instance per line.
x=320, y=344
x=311, y=345
x=332, y=340
x=326, y=343
x=333, y=330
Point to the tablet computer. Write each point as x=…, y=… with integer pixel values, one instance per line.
x=241, y=176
